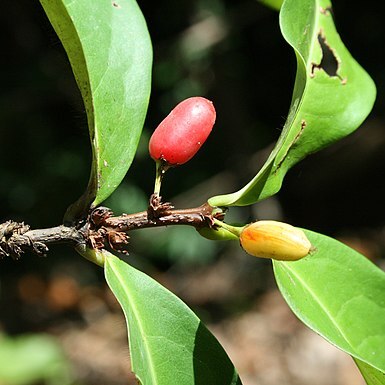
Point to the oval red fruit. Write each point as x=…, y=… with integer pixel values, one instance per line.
x=181, y=134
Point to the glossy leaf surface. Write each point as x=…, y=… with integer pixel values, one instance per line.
x=340, y=294
x=168, y=343
x=110, y=52
x=371, y=375
x=332, y=96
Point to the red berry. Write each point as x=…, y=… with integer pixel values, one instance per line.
x=181, y=134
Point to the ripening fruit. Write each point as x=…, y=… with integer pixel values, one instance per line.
x=181, y=134
x=276, y=240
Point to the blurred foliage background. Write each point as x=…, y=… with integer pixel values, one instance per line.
x=231, y=52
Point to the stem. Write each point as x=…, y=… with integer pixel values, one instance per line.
x=232, y=229
x=58, y=234
x=15, y=238
x=102, y=230
x=161, y=169
x=196, y=217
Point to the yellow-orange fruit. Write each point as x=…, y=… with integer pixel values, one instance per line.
x=275, y=240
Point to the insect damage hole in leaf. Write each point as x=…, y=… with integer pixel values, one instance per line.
x=329, y=62
x=327, y=11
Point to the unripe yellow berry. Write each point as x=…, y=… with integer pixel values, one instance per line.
x=275, y=240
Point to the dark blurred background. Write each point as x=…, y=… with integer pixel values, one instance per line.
x=232, y=53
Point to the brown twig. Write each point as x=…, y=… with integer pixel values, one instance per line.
x=17, y=237
x=197, y=217
x=102, y=229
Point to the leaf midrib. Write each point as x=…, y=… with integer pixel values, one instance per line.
x=134, y=312
x=319, y=302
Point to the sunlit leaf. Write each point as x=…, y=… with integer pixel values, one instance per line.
x=110, y=52
x=340, y=294
x=372, y=376
x=332, y=96
x=168, y=343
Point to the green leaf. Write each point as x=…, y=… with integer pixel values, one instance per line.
x=32, y=359
x=168, y=343
x=371, y=375
x=110, y=52
x=274, y=4
x=339, y=294
x=332, y=96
